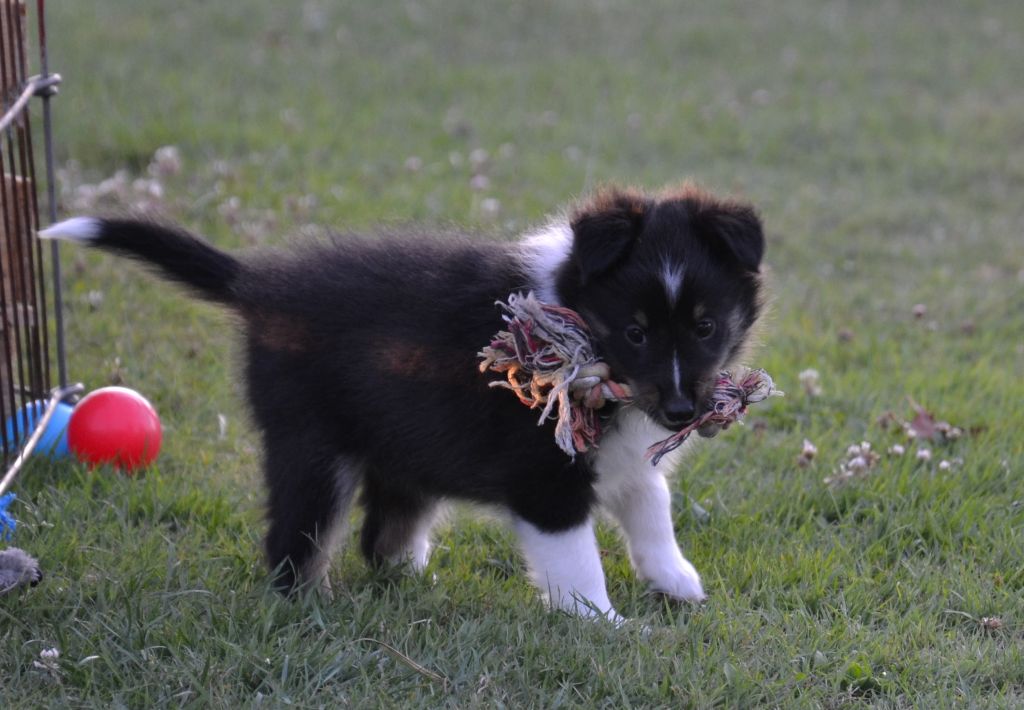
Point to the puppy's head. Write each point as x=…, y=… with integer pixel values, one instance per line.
x=670, y=286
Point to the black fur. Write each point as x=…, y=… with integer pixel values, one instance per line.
x=362, y=370
x=719, y=246
x=176, y=253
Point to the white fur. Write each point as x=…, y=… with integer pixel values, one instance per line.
x=672, y=280
x=76, y=229
x=566, y=566
x=417, y=552
x=544, y=252
x=676, y=375
x=636, y=494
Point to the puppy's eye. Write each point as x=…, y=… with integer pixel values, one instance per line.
x=636, y=335
x=705, y=328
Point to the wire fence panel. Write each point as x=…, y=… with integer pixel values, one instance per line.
x=25, y=374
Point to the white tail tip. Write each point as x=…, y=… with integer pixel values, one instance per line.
x=76, y=229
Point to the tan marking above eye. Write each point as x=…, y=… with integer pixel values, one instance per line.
x=735, y=321
x=641, y=319
x=598, y=326
x=698, y=311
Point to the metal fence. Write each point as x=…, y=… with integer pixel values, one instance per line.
x=29, y=288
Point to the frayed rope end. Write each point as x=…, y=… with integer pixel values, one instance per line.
x=728, y=404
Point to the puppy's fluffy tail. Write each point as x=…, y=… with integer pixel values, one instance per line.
x=172, y=251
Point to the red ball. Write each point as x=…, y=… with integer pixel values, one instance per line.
x=115, y=425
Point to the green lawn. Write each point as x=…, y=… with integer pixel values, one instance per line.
x=884, y=145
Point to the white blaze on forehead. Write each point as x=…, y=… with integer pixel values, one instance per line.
x=672, y=280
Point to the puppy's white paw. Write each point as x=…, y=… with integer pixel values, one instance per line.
x=411, y=563
x=679, y=581
x=414, y=559
x=586, y=610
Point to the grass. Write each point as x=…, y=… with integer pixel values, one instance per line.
x=884, y=146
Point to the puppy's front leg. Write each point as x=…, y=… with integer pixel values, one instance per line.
x=637, y=496
x=566, y=566
x=643, y=508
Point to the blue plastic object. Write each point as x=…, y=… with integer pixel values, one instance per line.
x=7, y=523
x=54, y=442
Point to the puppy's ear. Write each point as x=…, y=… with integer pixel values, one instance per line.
x=605, y=228
x=734, y=231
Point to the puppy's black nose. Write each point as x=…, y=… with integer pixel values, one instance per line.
x=678, y=410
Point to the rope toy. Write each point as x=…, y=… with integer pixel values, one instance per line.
x=17, y=567
x=549, y=363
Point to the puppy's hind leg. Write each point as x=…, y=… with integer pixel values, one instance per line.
x=397, y=527
x=311, y=488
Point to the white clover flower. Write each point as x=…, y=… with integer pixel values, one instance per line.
x=478, y=158
x=807, y=453
x=810, y=380
x=490, y=206
x=166, y=161
x=857, y=463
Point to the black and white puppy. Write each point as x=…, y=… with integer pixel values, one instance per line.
x=362, y=372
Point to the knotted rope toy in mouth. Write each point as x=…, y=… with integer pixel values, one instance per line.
x=549, y=362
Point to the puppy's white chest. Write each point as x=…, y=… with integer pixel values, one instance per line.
x=622, y=457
